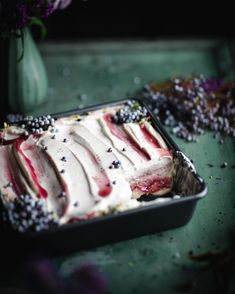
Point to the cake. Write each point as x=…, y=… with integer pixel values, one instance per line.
x=82, y=166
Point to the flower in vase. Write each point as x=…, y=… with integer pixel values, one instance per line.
x=61, y=4
x=17, y=14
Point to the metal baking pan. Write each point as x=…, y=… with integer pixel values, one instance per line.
x=144, y=220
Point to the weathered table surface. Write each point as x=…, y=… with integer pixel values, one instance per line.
x=82, y=74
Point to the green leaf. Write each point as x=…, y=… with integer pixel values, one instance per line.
x=135, y=106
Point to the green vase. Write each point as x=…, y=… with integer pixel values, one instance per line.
x=27, y=79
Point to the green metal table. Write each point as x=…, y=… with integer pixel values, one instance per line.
x=82, y=74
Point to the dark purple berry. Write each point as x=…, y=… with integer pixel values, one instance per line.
x=27, y=214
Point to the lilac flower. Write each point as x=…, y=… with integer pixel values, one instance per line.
x=23, y=18
x=17, y=14
x=61, y=4
x=212, y=85
x=44, y=277
x=87, y=279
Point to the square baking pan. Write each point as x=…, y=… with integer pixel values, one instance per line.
x=152, y=217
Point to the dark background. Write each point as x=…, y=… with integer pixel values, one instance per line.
x=88, y=19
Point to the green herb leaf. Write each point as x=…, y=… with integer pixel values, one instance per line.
x=135, y=106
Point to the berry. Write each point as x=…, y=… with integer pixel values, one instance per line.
x=35, y=125
x=115, y=164
x=14, y=118
x=26, y=214
x=191, y=105
x=130, y=113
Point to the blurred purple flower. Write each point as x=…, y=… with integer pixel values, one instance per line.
x=87, y=279
x=17, y=14
x=212, y=85
x=43, y=276
x=61, y=4
x=22, y=15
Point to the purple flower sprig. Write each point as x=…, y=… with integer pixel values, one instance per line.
x=44, y=277
x=17, y=14
x=61, y=4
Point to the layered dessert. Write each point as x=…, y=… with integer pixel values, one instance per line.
x=81, y=166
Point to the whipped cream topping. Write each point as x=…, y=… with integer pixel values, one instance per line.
x=86, y=167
